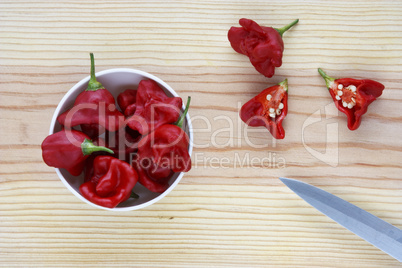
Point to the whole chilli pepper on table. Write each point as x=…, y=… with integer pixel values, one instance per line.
x=268, y=109
x=263, y=45
x=94, y=109
x=69, y=149
x=352, y=96
x=164, y=150
x=154, y=107
x=110, y=183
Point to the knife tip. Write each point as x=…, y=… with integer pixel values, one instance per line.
x=290, y=182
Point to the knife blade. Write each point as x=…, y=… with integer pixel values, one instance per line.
x=379, y=233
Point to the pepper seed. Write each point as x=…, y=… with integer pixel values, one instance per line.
x=269, y=97
x=352, y=88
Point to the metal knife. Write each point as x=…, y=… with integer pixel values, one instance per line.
x=379, y=233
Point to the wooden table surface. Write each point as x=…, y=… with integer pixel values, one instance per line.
x=230, y=210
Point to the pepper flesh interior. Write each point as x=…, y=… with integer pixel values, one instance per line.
x=345, y=94
x=273, y=104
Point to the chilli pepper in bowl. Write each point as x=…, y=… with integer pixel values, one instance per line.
x=352, y=96
x=69, y=149
x=154, y=107
x=268, y=109
x=94, y=109
x=263, y=45
x=111, y=182
x=153, y=177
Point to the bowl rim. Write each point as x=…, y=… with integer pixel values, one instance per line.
x=137, y=72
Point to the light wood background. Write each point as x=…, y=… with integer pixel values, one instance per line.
x=225, y=212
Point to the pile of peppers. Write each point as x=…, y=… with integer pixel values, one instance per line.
x=140, y=139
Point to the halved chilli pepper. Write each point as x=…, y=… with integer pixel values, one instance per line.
x=69, y=149
x=126, y=101
x=161, y=152
x=352, y=96
x=154, y=107
x=111, y=183
x=94, y=108
x=263, y=45
x=268, y=109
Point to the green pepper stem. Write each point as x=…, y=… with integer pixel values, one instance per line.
x=284, y=84
x=93, y=85
x=179, y=122
x=282, y=30
x=328, y=80
x=88, y=147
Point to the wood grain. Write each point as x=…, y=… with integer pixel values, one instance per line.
x=224, y=213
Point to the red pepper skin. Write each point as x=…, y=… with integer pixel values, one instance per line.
x=94, y=106
x=68, y=149
x=159, y=173
x=111, y=183
x=127, y=99
x=130, y=110
x=256, y=112
x=123, y=142
x=355, y=97
x=162, y=152
x=88, y=167
x=154, y=106
x=92, y=130
x=151, y=176
x=167, y=146
x=263, y=45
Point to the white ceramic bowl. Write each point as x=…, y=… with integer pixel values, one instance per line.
x=116, y=81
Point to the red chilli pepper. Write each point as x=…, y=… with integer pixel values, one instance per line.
x=152, y=176
x=94, y=108
x=126, y=101
x=111, y=182
x=268, y=109
x=263, y=45
x=123, y=142
x=167, y=146
x=162, y=151
x=352, y=96
x=154, y=107
x=69, y=149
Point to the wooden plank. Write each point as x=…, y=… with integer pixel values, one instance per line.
x=230, y=209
